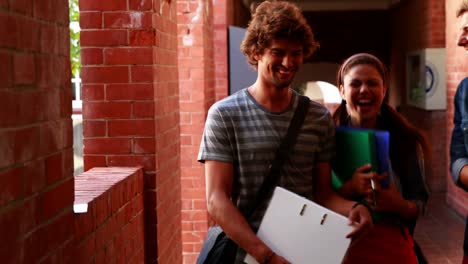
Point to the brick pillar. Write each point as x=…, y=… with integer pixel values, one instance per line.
x=36, y=157
x=197, y=93
x=457, y=69
x=222, y=19
x=130, y=106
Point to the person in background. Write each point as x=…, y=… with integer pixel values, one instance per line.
x=363, y=82
x=459, y=141
x=243, y=131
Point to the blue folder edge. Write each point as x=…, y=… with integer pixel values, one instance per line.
x=382, y=143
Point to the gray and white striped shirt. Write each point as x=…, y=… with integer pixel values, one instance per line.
x=240, y=131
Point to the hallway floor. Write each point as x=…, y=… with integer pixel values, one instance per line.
x=440, y=232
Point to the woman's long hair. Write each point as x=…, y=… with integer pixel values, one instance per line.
x=405, y=138
x=392, y=120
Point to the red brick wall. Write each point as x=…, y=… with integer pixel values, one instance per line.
x=36, y=158
x=222, y=19
x=131, y=106
x=111, y=231
x=197, y=92
x=166, y=87
x=420, y=24
x=457, y=69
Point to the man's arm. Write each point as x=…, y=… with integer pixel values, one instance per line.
x=458, y=155
x=219, y=182
x=324, y=194
x=463, y=178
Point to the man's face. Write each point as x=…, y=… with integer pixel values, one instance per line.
x=279, y=63
x=463, y=31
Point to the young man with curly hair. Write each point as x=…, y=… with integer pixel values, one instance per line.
x=243, y=131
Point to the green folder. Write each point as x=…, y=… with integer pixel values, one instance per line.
x=354, y=148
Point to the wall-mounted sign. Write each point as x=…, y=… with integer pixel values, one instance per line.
x=425, y=79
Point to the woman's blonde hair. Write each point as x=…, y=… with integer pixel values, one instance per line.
x=462, y=8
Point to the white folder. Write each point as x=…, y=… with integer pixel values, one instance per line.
x=302, y=231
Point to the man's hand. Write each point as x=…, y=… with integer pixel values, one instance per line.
x=278, y=260
x=361, y=219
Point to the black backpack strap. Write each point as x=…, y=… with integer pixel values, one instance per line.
x=282, y=153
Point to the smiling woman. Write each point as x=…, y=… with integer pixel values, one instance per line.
x=362, y=80
x=364, y=91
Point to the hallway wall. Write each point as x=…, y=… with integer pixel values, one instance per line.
x=131, y=106
x=416, y=25
x=343, y=33
x=197, y=87
x=203, y=79
x=36, y=157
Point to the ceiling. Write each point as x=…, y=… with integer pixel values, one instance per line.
x=338, y=5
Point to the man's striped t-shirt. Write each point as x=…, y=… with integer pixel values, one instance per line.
x=238, y=130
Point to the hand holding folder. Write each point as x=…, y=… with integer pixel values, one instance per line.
x=302, y=231
x=356, y=147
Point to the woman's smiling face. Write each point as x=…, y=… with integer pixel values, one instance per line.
x=364, y=91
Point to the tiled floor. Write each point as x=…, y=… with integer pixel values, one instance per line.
x=440, y=233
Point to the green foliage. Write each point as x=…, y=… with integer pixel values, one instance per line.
x=74, y=37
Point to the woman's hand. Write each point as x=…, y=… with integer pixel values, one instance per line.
x=387, y=200
x=391, y=201
x=361, y=180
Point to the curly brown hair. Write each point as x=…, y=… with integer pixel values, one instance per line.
x=276, y=20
